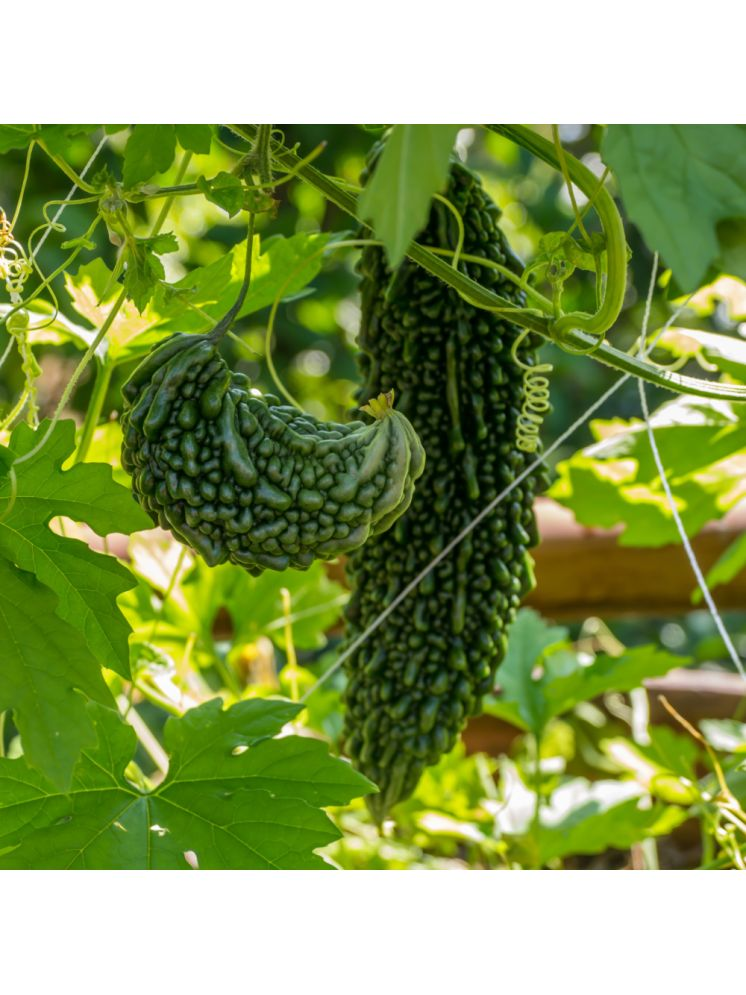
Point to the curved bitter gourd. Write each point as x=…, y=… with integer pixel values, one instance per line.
x=238, y=476
x=412, y=685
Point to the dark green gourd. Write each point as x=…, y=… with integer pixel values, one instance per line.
x=238, y=476
x=413, y=683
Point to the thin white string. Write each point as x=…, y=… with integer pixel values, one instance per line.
x=67, y=199
x=359, y=640
x=696, y=570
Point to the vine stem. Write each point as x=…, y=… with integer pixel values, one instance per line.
x=574, y=337
x=93, y=413
x=105, y=369
x=68, y=170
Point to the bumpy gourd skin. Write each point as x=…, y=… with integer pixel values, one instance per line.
x=238, y=476
x=414, y=682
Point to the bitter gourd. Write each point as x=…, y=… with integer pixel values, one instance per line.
x=239, y=476
x=413, y=683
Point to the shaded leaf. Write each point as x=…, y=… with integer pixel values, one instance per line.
x=677, y=182
x=150, y=149
x=144, y=267
x=412, y=167
x=44, y=666
x=225, y=190
x=194, y=137
x=86, y=583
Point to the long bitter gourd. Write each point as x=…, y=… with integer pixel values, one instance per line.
x=413, y=683
x=238, y=476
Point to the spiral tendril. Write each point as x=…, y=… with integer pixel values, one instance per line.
x=535, y=400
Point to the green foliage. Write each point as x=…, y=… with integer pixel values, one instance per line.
x=233, y=798
x=150, y=150
x=412, y=167
x=59, y=598
x=280, y=267
x=45, y=665
x=86, y=583
x=529, y=699
x=616, y=480
x=725, y=352
x=194, y=137
x=678, y=182
x=200, y=595
x=225, y=190
x=56, y=137
x=144, y=267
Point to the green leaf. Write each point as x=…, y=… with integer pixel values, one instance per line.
x=15, y=136
x=150, y=149
x=86, y=583
x=412, y=167
x=677, y=183
x=225, y=190
x=282, y=265
x=616, y=480
x=667, y=762
x=194, y=137
x=144, y=268
x=55, y=136
x=44, y=666
x=520, y=701
x=233, y=798
x=529, y=699
x=726, y=735
x=93, y=291
x=591, y=817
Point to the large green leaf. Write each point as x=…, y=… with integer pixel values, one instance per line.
x=234, y=798
x=616, y=480
x=44, y=665
x=412, y=167
x=678, y=181
x=86, y=583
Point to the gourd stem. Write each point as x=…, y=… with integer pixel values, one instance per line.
x=227, y=320
x=574, y=335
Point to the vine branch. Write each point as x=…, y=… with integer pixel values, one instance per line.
x=575, y=333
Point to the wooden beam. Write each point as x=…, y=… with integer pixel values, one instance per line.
x=582, y=572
